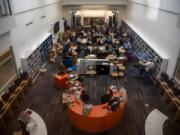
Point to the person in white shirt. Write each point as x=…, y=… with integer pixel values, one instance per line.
x=79, y=40
x=149, y=66
x=146, y=66
x=84, y=41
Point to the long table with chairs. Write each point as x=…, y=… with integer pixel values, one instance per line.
x=170, y=92
x=10, y=98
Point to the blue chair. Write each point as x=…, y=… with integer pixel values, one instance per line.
x=65, y=50
x=73, y=68
x=67, y=62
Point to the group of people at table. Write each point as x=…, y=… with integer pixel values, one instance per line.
x=76, y=93
x=98, y=118
x=97, y=40
x=103, y=42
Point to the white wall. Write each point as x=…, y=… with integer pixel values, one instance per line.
x=22, y=36
x=25, y=5
x=6, y=24
x=94, y=2
x=159, y=28
x=4, y=41
x=67, y=9
x=169, y=5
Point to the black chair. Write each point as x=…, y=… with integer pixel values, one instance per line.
x=1, y=104
x=85, y=97
x=176, y=91
x=17, y=82
x=23, y=75
x=12, y=89
x=164, y=77
x=171, y=83
x=105, y=98
x=6, y=97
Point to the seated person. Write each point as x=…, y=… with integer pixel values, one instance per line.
x=62, y=69
x=114, y=103
x=85, y=97
x=107, y=97
x=72, y=48
x=87, y=51
x=66, y=48
x=147, y=66
x=67, y=61
x=79, y=40
x=80, y=79
x=66, y=57
x=106, y=48
x=84, y=41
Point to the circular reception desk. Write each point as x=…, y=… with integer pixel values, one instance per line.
x=99, y=119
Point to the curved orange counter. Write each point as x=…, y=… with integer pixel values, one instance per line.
x=100, y=119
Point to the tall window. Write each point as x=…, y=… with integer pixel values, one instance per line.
x=4, y=8
x=177, y=73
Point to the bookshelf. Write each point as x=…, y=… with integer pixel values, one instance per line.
x=142, y=46
x=37, y=55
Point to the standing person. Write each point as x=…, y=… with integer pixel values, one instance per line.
x=65, y=24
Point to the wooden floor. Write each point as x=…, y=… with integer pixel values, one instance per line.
x=43, y=98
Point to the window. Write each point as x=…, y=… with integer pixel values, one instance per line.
x=177, y=73
x=4, y=8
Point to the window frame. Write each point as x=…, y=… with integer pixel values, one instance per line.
x=177, y=70
x=5, y=8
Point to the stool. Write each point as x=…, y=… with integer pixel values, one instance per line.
x=60, y=80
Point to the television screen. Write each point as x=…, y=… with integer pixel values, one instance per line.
x=56, y=27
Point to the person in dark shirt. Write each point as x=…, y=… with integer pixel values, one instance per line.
x=65, y=24
x=87, y=51
x=114, y=103
x=107, y=97
x=85, y=97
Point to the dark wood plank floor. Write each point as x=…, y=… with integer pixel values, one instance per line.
x=45, y=99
